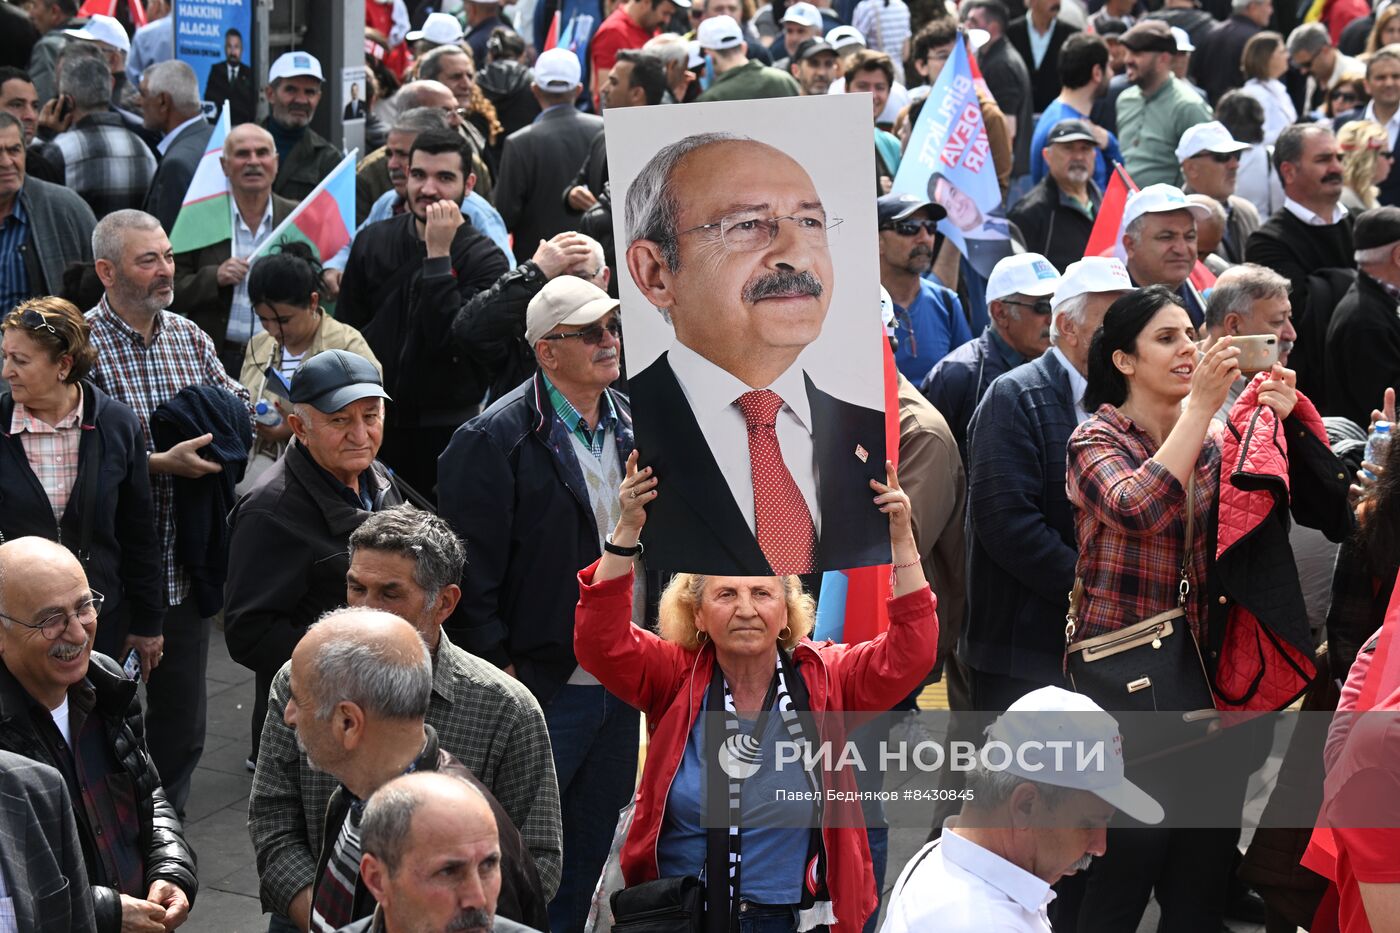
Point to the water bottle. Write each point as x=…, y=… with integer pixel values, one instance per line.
x=1376, y=444
x=266, y=414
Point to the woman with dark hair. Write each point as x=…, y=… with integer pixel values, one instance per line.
x=73, y=469
x=1129, y=469
x=285, y=289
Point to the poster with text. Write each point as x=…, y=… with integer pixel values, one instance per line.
x=215, y=38
x=749, y=281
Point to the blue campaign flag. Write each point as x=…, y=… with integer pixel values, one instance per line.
x=949, y=162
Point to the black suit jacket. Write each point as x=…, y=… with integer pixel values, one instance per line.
x=695, y=524
x=354, y=110
x=1045, y=80
x=240, y=93
x=536, y=162
x=39, y=849
x=173, y=176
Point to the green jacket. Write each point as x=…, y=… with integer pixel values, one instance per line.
x=310, y=160
x=1149, y=127
x=751, y=81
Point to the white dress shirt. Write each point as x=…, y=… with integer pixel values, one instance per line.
x=1392, y=126
x=1077, y=384
x=243, y=322
x=1311, y=219
x=954, y=885
x=712, y=391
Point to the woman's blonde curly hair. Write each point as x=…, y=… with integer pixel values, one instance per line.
x=680, y=603
x=1360, y=141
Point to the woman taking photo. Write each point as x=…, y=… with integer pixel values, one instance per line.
x=1366, y=162
x=73, y=470
x=1264, y=62
x=737, y=647
x=1129, y=468
x=285, y=290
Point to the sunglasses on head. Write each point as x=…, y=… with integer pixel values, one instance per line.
x=1041, y=307
x=592, y=334
x=34, y=320
x=912, y=227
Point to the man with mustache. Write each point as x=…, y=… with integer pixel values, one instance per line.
x=1210, y=162
x=1056, y=217
x=417, y=828
x=361, y=681
x=1159, y=243
x=294, y=85
x=71, y=708
x=404, y=282
x=1018, y=300
x=211, y=283
x=928, y=318
x=145, y=356
x=1249, y=300
x=765, y=473
x=552, y=454
x=1313, y=229
x=1024, y=827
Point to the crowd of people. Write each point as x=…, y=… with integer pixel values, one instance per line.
x=401, y=481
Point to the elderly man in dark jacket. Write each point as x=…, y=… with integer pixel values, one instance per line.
x=551, y=455
x=1057, y=215
x=287, y=551
x=404, y=282
x=73, y=709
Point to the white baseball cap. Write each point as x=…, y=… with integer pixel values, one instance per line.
x=804, y=14
x=101, y=28
x=1183, y=40
x=843, y=37
x=1207, y=137
x=1091, y=275
x=694, y=55
x=1029, y=274
x=887, y=311
x=294, y=65
x=719, y=32
x=439, y=29
x=565, y=299
x=1159, y=199
x=978, y=38
x=1053, y=715
x=557, y=70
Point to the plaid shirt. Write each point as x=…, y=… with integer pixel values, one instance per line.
x=144, y=377
x=52, y=451
x=486, y=719
x=104, y=162
x=595, y=440
x=1131, y=524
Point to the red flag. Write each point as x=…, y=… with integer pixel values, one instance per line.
x=551, y=38
x=109, y=8
x=1104, y=237
x=868, y=588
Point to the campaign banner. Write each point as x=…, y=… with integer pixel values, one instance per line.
x=949, y=162
x=215, y=38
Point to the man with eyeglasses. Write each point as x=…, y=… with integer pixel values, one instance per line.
x=531, y=486
x=764, y=472
x=1018, y=300
x=929, y=319
x=1311, y=52
x=1210, y=162
x=405, y=280
x=71, y=708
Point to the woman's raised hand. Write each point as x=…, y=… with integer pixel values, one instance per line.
x=637, y=489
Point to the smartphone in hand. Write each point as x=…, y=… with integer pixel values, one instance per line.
x=131, y=665
x=1258, y=352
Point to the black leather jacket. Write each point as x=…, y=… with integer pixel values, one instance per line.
x=166, y=854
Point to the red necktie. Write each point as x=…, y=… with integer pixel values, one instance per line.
x=785, y=530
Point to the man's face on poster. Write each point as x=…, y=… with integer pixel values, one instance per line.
x=753, y=271
x=233, y=48
x=962, y=210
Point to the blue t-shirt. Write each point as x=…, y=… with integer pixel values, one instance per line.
x=774, y=856
x=1057, y=111
x=928, y=329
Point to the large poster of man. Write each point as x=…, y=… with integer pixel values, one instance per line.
x=216, y=40
x=750, y=312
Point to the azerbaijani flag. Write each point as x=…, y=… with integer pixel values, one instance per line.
x=325, y=219
x=205, y=216
x=852, y=604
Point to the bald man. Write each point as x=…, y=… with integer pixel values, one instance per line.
x=361, y=680
x=211, y=284
x=431, y=858
x=743, y=272
x=73, y=709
